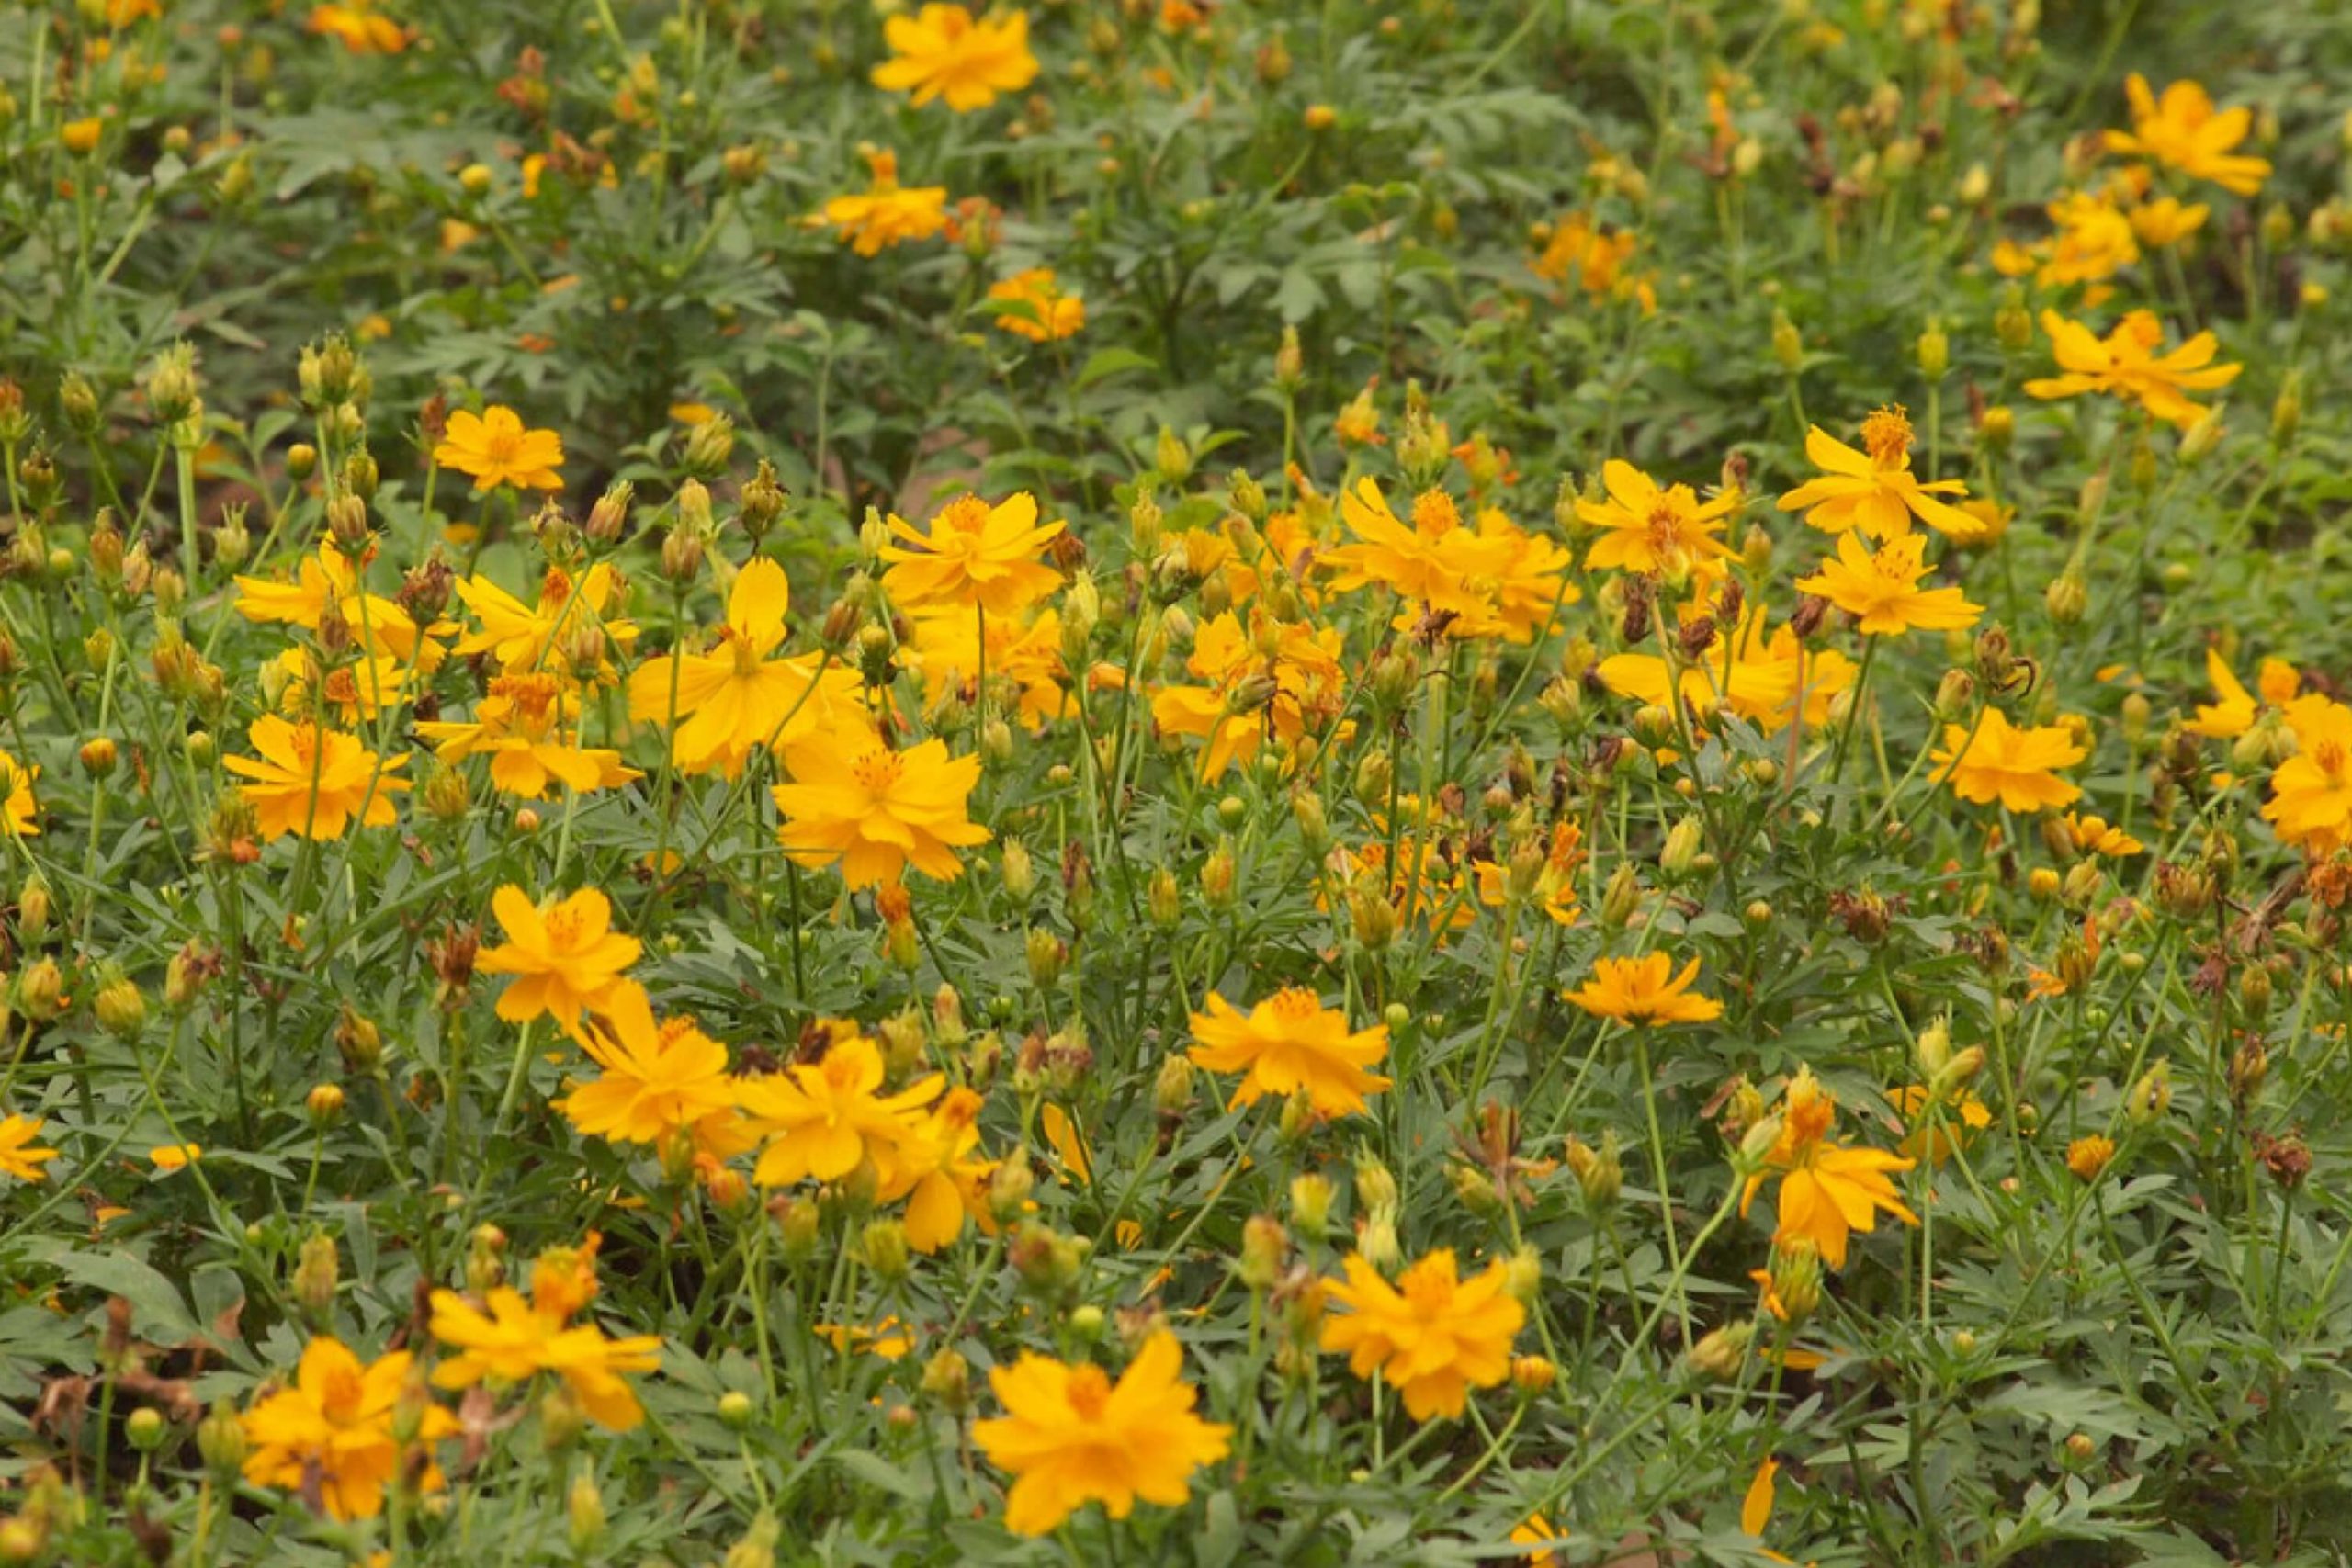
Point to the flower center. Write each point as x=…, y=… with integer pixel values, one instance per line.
x=1887, y=434
x=1089, y=1390
x=1435, y=513
x=877, y=771
x=2332, y=757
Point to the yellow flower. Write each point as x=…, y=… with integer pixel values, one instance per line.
x=1556, y=884
x=2093, y=836
x=875, y=811
x=1880, y=590
x=1594, y=257
x=82, y=136
x=1071, y=1436
x=1434, y=1337
x=2235, y=713
x=325, y=581
x=828, y=1116
x=1761, y=679
x=2016, y=767
x=332, y=1430
x=361, y=30
x=17, y=808
x=564, y=955
x=518, y=1339
x=886, y=214
x=314, y=782
x=2087, y=1156
x=2183, y=131
x=1648, y=529
x=531, y=639
x=1827, y=1190
x=946, y=651
x=1291, y=1043
x=1036, y=308
x=2311, y=793
x=496, y=450
x=2168, y=220
x=522, y=726
x=975, y=555
x=19, y=1155
x=168, y=1157
x=1431, y=561
x=657, y=1081
x=738, y=696
x=930, y=1168
x=1964, y=1114
x=1250, y=696
x=1875, y=491
x=2125, y=363
x=1537, y=1532
x=942, y=52
x=1644, y=991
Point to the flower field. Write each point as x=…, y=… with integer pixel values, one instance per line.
x=1193, y=782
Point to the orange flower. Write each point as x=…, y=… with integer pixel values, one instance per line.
x=1434, y=1336
x=2183, y=131
x=975, y=554
x=886, y=214
x=496, y=450
x=564, y=955
x=2016, y=767
x=1071, y=1437
x=19, y=1155
x=942, y=52
x=2125, y=363
x=828, y=1116
x=1827, y=1190
x=1644, y=991
x=1874, y=491
x=1880, y=590
x=855, y=802
x=1649, y=528
x=332, y=1431
x=1036, y=308
x=314, y=782
x=1291, y=1044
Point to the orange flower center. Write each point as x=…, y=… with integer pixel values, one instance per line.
x=1435, y=513
x=1887, y=434
x=878, y=769
x=1664, y=527
x=563, y=925
x=502, y=443
x=1089, y=1390
x=1293, y=1003
x=1429, y=1292
x=2331, y=759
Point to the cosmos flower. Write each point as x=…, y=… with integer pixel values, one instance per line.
x=886, y=214
x=1071, y=1436
x=314, y=782
x=564, y=955
x=2183, y=131
x=1434, y=1336
x=657, y=1082
x=742, y=695
x=1828, y=1190
x=527, y=725
x=1874, y=490
x=495, y=448
x=874, y=811
x=1644, y=991
x=332, y=1429
x=825, y=1117
x=943, y=51
x=2016, y=767
x=974, y=555
x=2126, y=364
x=1291, y=1043
x=1880, y=590
x=1034, y=306
x=1649, y=528
x=19, y=1155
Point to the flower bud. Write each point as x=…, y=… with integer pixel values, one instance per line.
x=948, y=1379
x=122, y=1011
x=220, y=1439
x=2087, y=1156
x=315, y=1274
x=1721, y=1353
